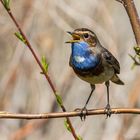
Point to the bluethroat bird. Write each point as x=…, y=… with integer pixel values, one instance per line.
x=93, y=63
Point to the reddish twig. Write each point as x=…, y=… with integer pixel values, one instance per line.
x=133, y=16
x=8, y=115
x=40, y=65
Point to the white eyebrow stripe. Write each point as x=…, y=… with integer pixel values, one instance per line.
x=79, y=59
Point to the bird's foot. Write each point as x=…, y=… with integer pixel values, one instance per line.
x=83, y=113
x=107, y=110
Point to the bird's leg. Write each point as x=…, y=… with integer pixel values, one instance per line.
x=84, y=109
x=92, y=89
x=107, y=108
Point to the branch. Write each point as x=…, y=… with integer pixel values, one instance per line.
x=135, y=23
x=26, y=41
x=8, y=115
x=134, y=18
x=135, y=60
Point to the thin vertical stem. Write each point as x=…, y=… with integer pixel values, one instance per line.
x=131, y=10
x=40, y=65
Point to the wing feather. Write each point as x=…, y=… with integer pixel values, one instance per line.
x=110, y=59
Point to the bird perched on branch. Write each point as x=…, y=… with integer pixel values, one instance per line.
x=93, y=63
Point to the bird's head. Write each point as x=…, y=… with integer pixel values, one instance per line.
x=83, y=35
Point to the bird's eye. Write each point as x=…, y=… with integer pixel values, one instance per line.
x=86, y=35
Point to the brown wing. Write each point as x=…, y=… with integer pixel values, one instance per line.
x=111, y=60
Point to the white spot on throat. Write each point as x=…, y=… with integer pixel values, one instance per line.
x=79, y=59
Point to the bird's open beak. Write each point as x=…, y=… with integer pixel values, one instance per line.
x=75, y=37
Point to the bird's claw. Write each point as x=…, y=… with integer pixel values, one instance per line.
x=107, y=110
x=83, y=113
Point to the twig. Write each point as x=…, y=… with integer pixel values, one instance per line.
x=40, y=65
x=134, y=18
x=130, y=8
x=134, y=59
x=8, y=115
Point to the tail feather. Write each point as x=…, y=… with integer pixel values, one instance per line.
x=117, y=80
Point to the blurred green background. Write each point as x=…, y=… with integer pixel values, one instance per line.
x=24, y=90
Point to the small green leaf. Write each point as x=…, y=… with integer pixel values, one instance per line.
x=136, y=60
x=137, y=50
x=67, y=126
x=20, y=37
x=59, y=100
x=80, y=138
x=69, y=129
x=133, y=58
x=45, y=64
x=7, y=4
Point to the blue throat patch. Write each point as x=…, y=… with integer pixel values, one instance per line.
x=82, y=58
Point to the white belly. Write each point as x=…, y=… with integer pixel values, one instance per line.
x=105, y=76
